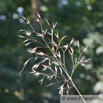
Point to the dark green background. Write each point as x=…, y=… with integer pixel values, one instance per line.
x=81, y=19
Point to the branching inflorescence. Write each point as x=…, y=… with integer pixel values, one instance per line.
x=56, y=62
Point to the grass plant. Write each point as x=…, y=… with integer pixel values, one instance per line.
x=55, y=62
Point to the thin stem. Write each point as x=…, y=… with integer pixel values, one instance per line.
x=75, y=66
x=38, y=41
x=72, y=60
x=31, y=27
x=55, y=82
x=78, y=91
x=64, y=57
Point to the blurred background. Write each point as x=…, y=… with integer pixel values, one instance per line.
x=81, y=19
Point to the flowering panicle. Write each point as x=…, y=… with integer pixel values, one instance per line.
x=56, y=62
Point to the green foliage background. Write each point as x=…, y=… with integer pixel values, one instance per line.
x=81, y=19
